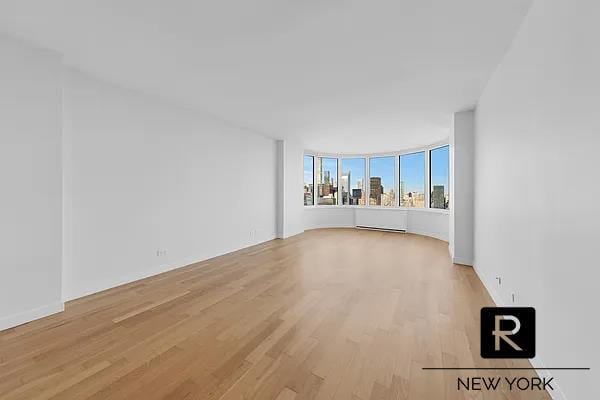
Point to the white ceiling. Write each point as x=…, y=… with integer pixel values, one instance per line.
x=340, y=75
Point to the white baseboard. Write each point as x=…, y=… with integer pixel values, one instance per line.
x=290, y=234
x=488, y=286
x=31, y=315
x=557, y=393
x=139, y=275
x=462, y=261
x=435, y=235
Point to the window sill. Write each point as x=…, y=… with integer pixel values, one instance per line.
x=415, y=209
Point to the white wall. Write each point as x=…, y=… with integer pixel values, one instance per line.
x=429, y=223
x=30, y=174
x=432, y=223
x=293, y=182
x=461, y=187
x=143, y=176
x=325, y=217
x=536, y=185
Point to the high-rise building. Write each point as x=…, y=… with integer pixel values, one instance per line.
x=360, y=185
x=345, y=181
x=376, y=191
x=402, y=199
x=308, y=195
x=438, y=200
x=356, y=196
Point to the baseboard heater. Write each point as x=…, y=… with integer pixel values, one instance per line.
x=381, y=219
x=373, y=228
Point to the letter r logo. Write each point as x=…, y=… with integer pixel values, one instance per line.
x=500, y=334
x=507, y=332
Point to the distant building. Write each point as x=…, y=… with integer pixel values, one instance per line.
x=308, y=195
x=438, y=200
x=402, y=199
x=346, y=188
x=376, y=191
x=327, y=190
x=360, y=186
x=356, y=196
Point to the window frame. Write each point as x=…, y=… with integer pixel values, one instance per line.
x=341, y=172
x=382, y=155
x=313, y=178
x=367, y=156
x=429, y=185
x=425, y=180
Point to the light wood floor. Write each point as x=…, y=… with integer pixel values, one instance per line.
x=329, y=314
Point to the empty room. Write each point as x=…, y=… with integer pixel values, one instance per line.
x=288, y=200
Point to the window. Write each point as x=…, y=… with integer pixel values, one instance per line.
x=382, y=181
x=438, y=177
x=353, y=181
x=412, y=180
x=309, y=175
x=327, y=181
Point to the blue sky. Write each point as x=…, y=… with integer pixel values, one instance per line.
x=439, y=167
x=308, y=169
x=356, y=167
x=412, y=171
x=383, y=167
x=330, y=164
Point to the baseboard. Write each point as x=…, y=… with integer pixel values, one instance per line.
x=490, y=289
x=435, y=235
x=289, y=235
x=462, y=261
x=344, y=226
x=372, y=228
x=557, y=393
x=31, y=315
x=106, y=285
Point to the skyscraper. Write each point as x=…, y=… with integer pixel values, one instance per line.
x=402, y=200
x=376, y=191
x=346, y=188
x=438, y=200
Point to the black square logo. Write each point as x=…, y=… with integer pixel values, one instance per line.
x=507, y=332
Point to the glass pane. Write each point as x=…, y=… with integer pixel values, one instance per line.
x=327, y=181
x=353, y=181
x=382, y=181
x=438, y=177
x=412, y=180
x=308, y=180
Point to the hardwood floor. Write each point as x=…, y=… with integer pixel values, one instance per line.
x=329, y=314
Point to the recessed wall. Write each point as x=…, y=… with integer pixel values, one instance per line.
x=419, y=221
x=395, y=214
x=31, y=179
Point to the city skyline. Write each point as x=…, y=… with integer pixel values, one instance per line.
x=382, y=191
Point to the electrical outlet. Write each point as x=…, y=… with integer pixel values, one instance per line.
x=499, y=279
x=161, y=253
x=512, y=297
